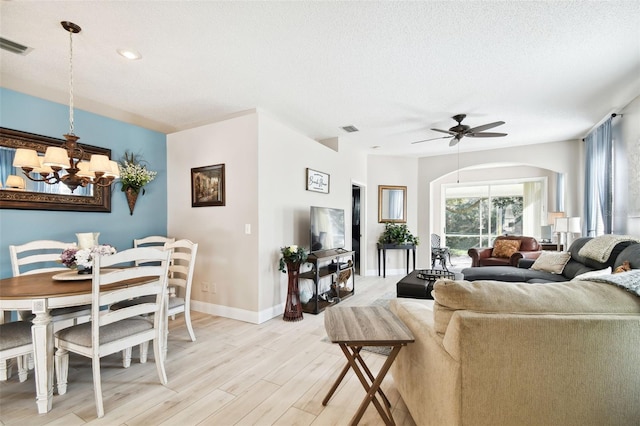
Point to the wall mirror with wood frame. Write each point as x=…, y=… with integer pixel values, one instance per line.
x=392, y=204
x=42, y=196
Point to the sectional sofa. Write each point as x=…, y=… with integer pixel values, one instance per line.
x=494, y=353
x=497, y=353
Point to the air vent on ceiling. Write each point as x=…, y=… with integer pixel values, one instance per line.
x=350, y=129
x=13, y=47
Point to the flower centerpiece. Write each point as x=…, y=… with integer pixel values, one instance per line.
x=292, y=254
x=82, y=259
x=134, y=175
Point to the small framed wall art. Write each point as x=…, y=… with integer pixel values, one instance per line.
x=317, y=181
x=207, y=186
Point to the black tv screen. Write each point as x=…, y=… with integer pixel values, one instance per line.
x=327, y=228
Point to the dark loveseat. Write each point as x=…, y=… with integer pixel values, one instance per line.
x=577, y=265
x=485, y=256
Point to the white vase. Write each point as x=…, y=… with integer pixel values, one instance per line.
x=87, y=239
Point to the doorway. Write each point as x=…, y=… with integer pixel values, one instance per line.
x=357, y=225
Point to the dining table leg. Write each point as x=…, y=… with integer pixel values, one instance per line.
x=42, y=334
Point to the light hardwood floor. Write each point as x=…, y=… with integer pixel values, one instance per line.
x=275, y=373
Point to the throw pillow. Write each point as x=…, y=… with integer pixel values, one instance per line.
x=551, y=261
x=626, y=266
x=505, y=248
x=593, y=274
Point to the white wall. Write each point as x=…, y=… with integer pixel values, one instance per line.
x=265, y=165
x=627, y=186
x=227, y=257
x=387, y=170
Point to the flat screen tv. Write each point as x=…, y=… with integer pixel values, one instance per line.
x=327, y=228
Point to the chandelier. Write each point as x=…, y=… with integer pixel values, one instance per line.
x=65, y=163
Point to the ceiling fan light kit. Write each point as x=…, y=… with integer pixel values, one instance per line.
x=461, y=130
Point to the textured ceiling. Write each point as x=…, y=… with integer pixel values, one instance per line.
x=551, y=70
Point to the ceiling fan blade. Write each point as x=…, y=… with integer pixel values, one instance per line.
x=449, y=132
x=432, y=139
x=485, y=135
x=485, y=127
x=454, y=141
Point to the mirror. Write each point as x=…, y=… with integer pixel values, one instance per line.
x=96, y=199
x=392, y=204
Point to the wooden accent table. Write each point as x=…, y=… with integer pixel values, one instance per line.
x=353, y=328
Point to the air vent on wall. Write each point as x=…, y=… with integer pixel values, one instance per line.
x=350, y=129
x=13, y=47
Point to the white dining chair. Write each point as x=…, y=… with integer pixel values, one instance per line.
x=15, y=342
x=182, y=265
x=35, y=257
x=113, y=331
x=152, y=241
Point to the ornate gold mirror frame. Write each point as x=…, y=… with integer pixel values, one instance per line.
x=392, y=204
x=99, y=201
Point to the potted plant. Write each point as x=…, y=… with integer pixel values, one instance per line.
x=134, y=175
x=395, y=233
x=290, y=261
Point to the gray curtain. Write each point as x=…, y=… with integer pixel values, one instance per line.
x=598, y=184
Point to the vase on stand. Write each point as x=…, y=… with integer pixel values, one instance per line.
x=132, y=196
x=293, y=306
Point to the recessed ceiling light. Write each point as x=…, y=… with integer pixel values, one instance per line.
x=129, y=54
x=376, y=147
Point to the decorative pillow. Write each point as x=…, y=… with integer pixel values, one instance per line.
x=592, y=274
x=626, y=266
x=505, y=248
x=551, y=261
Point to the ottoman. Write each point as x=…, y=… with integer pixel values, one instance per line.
x=418, y=288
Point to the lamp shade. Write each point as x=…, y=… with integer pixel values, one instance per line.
x=574, y=225
x=83, y=170
x=56, y=157
x=99, y=163
x=14, y=181
x=42, y=169
x=26, y=158
x=115, y=170
x=551, y=217
x=562, y=224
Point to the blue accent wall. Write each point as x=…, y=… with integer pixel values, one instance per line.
x=34, y=115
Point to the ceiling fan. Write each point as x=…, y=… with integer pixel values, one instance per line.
x=461, y=130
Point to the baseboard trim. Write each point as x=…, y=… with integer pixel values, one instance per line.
x=237, y=314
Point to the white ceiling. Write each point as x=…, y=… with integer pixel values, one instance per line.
x=551, y=69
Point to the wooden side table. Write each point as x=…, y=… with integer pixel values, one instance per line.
x=354, y=327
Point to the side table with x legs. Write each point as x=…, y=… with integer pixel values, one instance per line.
x=354, y=327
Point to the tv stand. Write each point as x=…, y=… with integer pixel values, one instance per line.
x=328, y=264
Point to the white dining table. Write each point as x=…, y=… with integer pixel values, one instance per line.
x=39, y=293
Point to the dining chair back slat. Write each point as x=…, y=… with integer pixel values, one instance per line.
x=37, y=256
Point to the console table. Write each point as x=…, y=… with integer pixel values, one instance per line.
x=382, y=250
x=330, y=264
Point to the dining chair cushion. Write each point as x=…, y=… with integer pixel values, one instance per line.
x=15, y=334
x=81, y=334
x=173, y=302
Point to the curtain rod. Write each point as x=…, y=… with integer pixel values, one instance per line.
x=613, y=115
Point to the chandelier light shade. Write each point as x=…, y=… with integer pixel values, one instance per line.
x=66, y=163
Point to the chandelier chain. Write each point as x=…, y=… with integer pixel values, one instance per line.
x=71, y=82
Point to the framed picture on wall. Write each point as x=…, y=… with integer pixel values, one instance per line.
x=317, y=181
x=207, y=186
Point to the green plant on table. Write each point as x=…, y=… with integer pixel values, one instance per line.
x=396, y=233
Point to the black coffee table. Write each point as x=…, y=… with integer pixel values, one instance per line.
x=416, y=288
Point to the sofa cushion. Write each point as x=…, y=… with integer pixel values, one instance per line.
x=505, y=248
x=591, y=274
x=579, y=297
x=551, y=261
x=631, y=254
